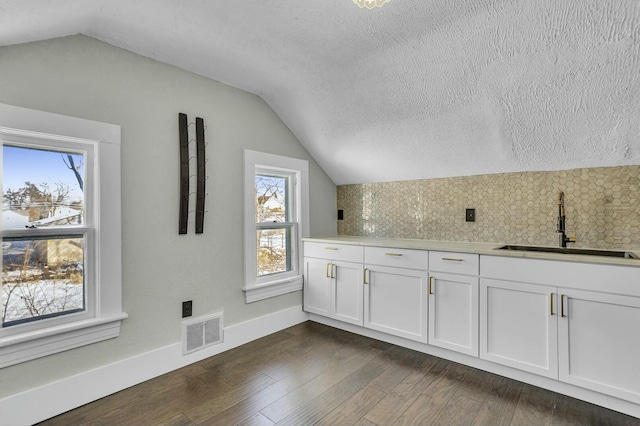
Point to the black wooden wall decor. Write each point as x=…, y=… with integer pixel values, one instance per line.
x=184, y=173
x=185, y=176
x=201, y=173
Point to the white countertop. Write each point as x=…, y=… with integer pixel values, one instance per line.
x=469, y=247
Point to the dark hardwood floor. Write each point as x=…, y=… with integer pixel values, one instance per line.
x=313, y=374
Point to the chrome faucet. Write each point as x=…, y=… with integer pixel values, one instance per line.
x=562, y=221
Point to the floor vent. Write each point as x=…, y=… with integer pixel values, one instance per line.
x=201, y=332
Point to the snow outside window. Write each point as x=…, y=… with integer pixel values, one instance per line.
x=60, y=227
x=276, y=218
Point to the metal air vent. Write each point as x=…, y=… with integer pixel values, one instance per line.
x=199, y=333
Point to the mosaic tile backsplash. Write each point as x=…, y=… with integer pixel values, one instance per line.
x=602, y=206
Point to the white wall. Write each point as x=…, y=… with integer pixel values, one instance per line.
x=83, y=77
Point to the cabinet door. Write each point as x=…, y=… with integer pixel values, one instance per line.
x=453, y=312
x=518, y=326
x=598, y=344
x=347, y=292
x=395, y=301
x=317, y=286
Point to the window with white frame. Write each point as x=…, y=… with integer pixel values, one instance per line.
x=276, y=218
x=46, y=223
x=61, y=266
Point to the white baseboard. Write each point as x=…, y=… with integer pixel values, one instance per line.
x=20, y=409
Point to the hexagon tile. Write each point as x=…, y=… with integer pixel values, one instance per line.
x=602, y=206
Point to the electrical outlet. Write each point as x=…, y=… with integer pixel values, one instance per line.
x=187, y=308
x=470, y=215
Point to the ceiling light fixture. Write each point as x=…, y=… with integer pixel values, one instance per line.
x=370, y=4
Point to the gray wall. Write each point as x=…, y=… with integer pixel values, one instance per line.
x=86, y=78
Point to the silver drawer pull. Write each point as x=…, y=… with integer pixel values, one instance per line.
x=453, y=259
x=330, y=248
x=393, y=254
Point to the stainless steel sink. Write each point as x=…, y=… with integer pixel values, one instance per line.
x=565, y=250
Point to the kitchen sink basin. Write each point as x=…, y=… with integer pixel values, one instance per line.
x=567, y=250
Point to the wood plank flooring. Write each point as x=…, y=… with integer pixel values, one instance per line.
x=313, y=374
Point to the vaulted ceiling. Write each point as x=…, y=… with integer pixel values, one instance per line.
x=414, y=89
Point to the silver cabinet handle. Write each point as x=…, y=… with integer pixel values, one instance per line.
x=452, y=259
x=393, y=254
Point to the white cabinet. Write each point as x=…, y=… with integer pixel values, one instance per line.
x=599, y=348
x=347, y=289
x=395, y=296
x=580, y=328
x=333, y=281
x=317, y=286
x=453, y=301
x=517, y=327
x=569, y=321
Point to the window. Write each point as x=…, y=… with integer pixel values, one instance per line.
x=44, y=230
x=276, y=218
x=60, y=227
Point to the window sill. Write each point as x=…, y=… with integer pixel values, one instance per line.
x=273, y=288
x=27, y=346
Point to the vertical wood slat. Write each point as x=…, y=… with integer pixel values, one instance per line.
x=184, y=173
x=201, y=173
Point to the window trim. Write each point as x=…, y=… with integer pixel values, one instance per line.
x=276, y=284
x=21, y=123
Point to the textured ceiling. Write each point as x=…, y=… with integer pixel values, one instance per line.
x=415, y=89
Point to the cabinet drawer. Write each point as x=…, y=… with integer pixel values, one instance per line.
x=342, y=252
x=401, y=258
x=456, y=263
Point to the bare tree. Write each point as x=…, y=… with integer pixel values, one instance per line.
x=40, y=201
x=268, y=188
x=59, y=197
x=71, y=165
